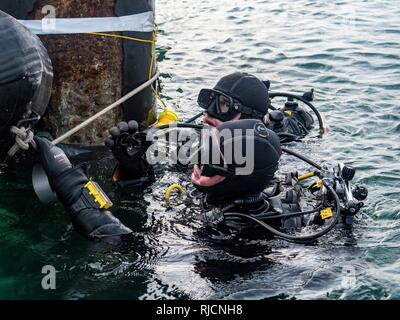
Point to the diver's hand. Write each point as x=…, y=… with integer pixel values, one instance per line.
x=129, y=147
x=99, y=225
x=127, y=143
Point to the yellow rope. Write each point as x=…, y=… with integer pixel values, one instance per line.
x=153, y=42
x=119, y=36
x=153, y=60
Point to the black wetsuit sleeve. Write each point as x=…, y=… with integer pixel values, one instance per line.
x=69, y=182
x=89, y=221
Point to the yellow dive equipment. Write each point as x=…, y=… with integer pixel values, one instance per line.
x=171, y=188
x=93, y=191
x=326, y=213
x=167, y=116
x=306, y=176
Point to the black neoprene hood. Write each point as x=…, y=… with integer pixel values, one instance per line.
x=246, y=88
x=265, y=156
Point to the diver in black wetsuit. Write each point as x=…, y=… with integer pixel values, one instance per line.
x=238, y=102
x=236, y=96
x=243, y=96
x=233, y=191
x=98, y=223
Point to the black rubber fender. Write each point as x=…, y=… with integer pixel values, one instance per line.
x=26, y=73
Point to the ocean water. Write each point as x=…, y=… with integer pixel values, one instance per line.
x=348, y=51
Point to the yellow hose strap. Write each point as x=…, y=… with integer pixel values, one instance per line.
x=171, y=188
x=306, y=176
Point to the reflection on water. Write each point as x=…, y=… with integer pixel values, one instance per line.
x=349, y=52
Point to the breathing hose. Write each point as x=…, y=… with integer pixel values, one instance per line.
x=301, y=157
x=293, y=238
x=286, y=135
x=179, y=125
x=194, y=118
x=293, y=214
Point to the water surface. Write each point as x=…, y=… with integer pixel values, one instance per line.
x=349, y=52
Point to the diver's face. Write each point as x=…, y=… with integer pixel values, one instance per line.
x=202, y=181
x=197, y=177
x=214, y=122
x=224, y=104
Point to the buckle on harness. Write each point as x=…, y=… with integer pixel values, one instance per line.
x=94, y=192
x=92, y=197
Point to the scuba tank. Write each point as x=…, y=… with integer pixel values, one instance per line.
x=26, y=76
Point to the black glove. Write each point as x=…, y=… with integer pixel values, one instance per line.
x=68, y=183
x=129, y=147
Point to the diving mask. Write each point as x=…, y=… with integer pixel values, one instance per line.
x=221, y=106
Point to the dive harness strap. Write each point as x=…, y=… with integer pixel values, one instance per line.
x=249, y=111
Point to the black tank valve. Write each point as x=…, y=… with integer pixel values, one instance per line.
x=276, y=116
x=291, y=105
x=353, y=208
x=309, y=96
x=360, y=192
x=347, y=173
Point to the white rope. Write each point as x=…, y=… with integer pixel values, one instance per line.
x=105, y=110
x=23, y=140
x=24, y=137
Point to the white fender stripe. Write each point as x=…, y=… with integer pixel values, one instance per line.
x=142, y=22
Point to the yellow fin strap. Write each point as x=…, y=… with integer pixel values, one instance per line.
x=171, y=188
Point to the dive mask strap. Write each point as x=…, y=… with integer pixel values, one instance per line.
x=249, y=111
